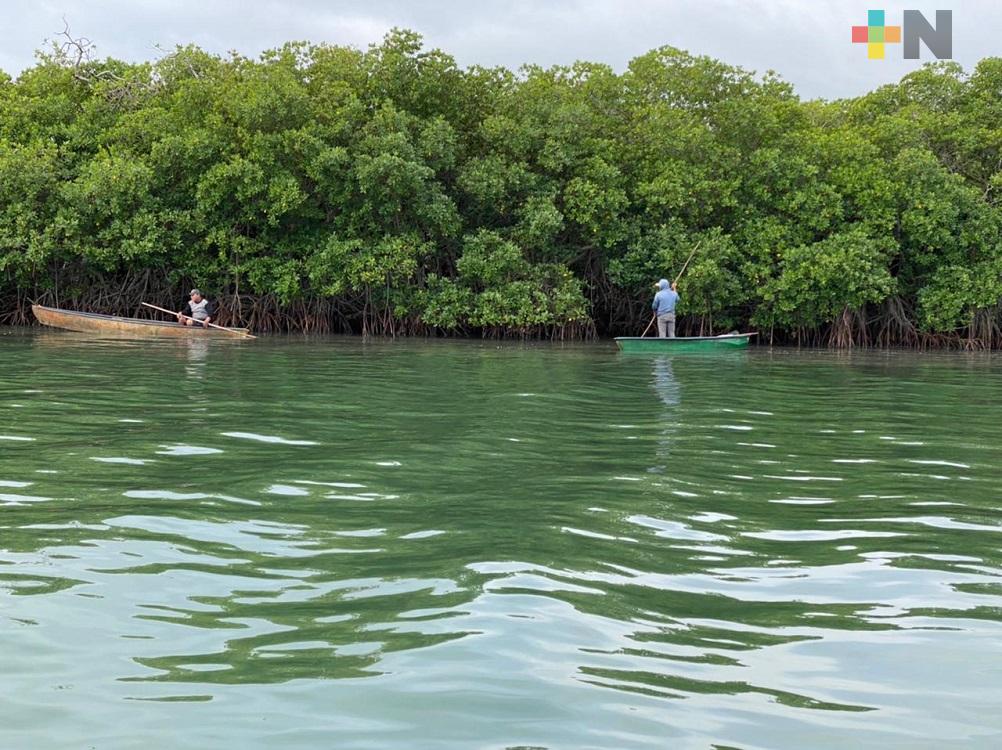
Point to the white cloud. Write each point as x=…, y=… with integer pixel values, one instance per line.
x=806, y=41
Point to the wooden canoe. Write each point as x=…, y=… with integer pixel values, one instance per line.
x=115, y=325
x=683, y=343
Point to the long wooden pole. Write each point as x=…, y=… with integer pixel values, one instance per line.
x=686, y=263
x=221, y=328
x=653, y=318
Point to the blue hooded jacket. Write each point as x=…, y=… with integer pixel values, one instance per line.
x=664, y=301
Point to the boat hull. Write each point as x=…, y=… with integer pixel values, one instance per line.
x=71, y=320
x=728, y=341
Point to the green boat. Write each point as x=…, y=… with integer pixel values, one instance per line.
x=683, y=343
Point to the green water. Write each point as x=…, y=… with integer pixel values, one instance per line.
x=316, y=544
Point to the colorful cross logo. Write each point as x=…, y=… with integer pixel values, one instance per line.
x=875, y=35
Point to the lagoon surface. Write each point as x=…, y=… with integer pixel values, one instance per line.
x=316, y=543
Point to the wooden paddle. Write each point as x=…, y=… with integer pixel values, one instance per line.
x=213, y=325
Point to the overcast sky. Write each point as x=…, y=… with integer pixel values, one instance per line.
x=806, y=41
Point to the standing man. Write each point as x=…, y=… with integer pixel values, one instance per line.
x=664, y=308
x=197, y=310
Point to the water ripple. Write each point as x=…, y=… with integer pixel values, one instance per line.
x=497, y=545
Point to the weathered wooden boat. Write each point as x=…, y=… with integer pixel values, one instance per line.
x=72, y=320
x=683, y=343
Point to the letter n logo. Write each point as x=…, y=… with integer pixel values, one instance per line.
x=939, y=40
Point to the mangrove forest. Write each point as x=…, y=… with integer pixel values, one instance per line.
x=389, y=191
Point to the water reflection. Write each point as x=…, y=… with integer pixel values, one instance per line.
x=665, y=383
x=667, y=389
x=198, y=352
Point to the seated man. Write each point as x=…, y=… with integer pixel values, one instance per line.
x=197, y=310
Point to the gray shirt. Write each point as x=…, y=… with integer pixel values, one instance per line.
x=198, y=310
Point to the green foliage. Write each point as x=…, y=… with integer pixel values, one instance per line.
x=29, y=185
x=355, y=266
x=412, y=194
x=496, y=287
x=816, y=282
x=952, y=298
